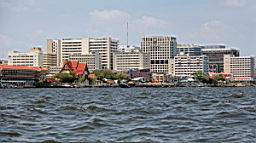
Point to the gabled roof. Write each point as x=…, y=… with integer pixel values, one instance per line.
x=74, y=66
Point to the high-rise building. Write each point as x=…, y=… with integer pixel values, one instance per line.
x=216, y=57
x=130, y=60
x=53, y=54
x=161, y=49
x=33, y=58
x=92, y=60
x=104, y=46
x=189, y=49
x=73, y=47
x=241, y=68
x=49, y=60
x=188, y=65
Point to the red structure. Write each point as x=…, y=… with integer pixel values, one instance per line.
x=227, y=76
x=80, y=69
x=21, y=73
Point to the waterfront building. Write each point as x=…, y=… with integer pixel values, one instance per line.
x=189, y=49
x=161, y=49
x=21, y=75
x=130, y=59
x=80, y=69
x=33, y=58
x=93, y=60
x=216, y=57
x=188, y=65
x=144, y=74
x=241, y=68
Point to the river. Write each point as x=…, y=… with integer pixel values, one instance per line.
x=128, y=115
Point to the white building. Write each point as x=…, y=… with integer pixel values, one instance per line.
x=188, y=65
x=161, y=49
x=241, y=68
x=104, y=46
x=130, y=59
x=33, y=58
x=92, y=60
x=73, y=47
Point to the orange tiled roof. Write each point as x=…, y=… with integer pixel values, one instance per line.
x=75, y=66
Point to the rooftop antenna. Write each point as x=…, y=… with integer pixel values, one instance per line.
x=127, y=34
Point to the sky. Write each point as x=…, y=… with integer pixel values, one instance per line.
x=28, y=23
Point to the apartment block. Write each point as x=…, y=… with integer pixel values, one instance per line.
x=53, y=53
x=188, y=65
x=216, y=56
x=241, y=68
x=92, y=60
x=130, y=59
x=161, y=49
x=33, y=58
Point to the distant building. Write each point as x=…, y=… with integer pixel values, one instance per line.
x=93, y=60
x=84, y=46
x=188, y=65
x=53, y=53
x=33, y=58
x=189, y=49
x=216, y=57
x=213, y=46
x=49, y=60
x=241, y=68
x=20, y=74
x=130, y=59
x=3, y=62
x=161, y=49
x=140, y=73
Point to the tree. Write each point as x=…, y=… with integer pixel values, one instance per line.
x=220, y=77
x=202, y=77
x=66, y=77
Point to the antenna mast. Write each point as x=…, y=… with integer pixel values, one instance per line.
x=127, y=35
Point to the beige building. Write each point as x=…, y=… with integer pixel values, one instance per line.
x=161, y=49
x=241, y=68
x=49, y=60
x=130, y=59
x=188, y=65
x=33, y=58
x=92, y=60
x=53, y=54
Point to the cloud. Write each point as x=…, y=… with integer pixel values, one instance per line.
x=108, y=14
x=235, y=3
x=212, y=28
x=149, y=21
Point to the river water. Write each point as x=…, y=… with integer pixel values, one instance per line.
x=128, y=115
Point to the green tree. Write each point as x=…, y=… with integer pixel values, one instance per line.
x=66, y=77
x=201, y=76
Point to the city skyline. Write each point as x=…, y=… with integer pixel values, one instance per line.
x=29, y=23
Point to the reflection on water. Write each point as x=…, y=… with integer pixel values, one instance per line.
x=128, y=115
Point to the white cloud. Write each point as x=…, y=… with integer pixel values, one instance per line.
x=235, y=3
x=109, y=14
x=212, y=28
x=149, y=22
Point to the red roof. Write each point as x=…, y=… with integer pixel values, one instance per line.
x=75, y=66
x=9, y=67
